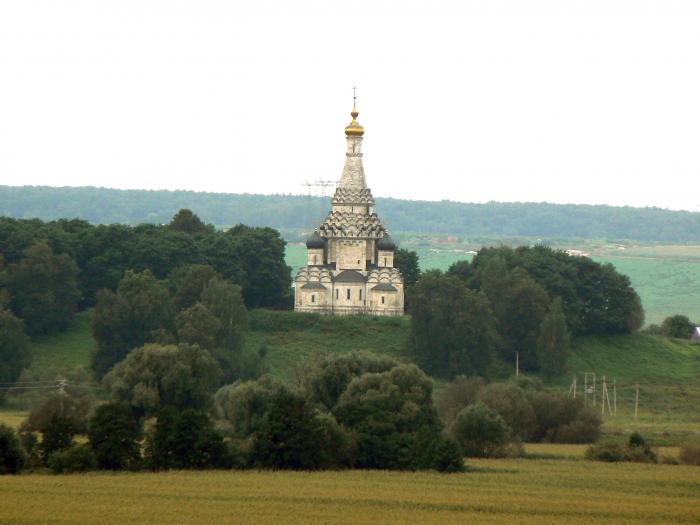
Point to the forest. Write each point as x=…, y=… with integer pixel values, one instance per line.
x=288, y=212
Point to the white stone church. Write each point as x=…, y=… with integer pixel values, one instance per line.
x=350, y=268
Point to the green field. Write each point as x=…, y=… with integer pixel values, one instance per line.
x=666, y=277
x=493, y=491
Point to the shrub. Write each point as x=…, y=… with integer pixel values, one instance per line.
x=71, y=409
x=636, y=450
x=481, y=432
x=12, y=457
x=77, y=458
x=561, y=419
x=459, y=393
x=511, y=403
x=690, y=454
x=244, y=405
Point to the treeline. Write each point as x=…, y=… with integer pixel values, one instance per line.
x=508, y=304
x=493, y=219
x=146, y=281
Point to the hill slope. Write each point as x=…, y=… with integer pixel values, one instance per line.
x=102, y=205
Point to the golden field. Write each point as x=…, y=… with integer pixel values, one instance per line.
x=523, y=491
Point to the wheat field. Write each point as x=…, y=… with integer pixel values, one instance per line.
x=494, y=491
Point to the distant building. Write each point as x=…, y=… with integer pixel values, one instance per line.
x=696, y=334
x=350, y=266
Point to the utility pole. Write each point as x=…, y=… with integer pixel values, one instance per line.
x=606, y=397
x=615, y=395
x=636, y=401
x=517, y=364
x=572, y=388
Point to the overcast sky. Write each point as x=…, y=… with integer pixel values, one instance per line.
x=563, y=101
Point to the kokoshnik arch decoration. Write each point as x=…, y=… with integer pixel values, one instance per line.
x=350, y=266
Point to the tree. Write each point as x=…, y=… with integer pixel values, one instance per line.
x=15, y=354
x=329, y=379
x=12, y=457
x=73, y=409
x=113, y=435
x=511, y=403
x=268, y=278
x=678, y=326
x=294, y=436
x=197, y=325
x=155, y=376
x=225, y=301
x=244, y=405
x=187, y=283
x=553, y=341
x=57, y=436
x=407, y=262
x=453, y=330
x=185, y=440
x=139, y=312
x=187, y=222
x=481, y=432
x=457, y=394
x=43, y=288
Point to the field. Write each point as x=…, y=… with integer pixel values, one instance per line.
x=667, y=277
x=494, y=491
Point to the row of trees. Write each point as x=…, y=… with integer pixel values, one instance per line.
x=527, y=302
x=106, y=206
x=355, y=410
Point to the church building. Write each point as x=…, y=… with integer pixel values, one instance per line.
x=350, y=266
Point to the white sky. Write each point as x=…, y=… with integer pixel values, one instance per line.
x=579, y=101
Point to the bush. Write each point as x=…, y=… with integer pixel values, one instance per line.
x=57, y=436
x=511, y=403
x=636, y=450
x=690, y=454
x=12, y=457
x=78, y=458
x=562, y=419
x=481, y=432
x=459, y=393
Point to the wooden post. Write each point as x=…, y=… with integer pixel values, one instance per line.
x=615, y=395
x=636, y=402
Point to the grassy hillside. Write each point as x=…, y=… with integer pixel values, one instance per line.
x=667, y=371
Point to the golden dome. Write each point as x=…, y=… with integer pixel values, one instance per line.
x=354, y=128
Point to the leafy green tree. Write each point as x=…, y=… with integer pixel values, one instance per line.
x=460, y=269
x=197, y=325
x=12, y=456
x=113, y=435
x=225, y=301
x=562, y=419
x=512, y=404
x=553, y=341
x=187, y=283
x=155, y=376
x=244, y=405
x=678, y=326
x=73, y=409
x=57, y=436
x=268, y=278
x=453, y=330
x=481, y=432
x=328, y=379
x=188, y=222
x=295, y=436
x=407, y=262
x=139, y=311
x=15, y=353
x=43, y=288
x=76, y=458
x=460, y=392
x=185, y=440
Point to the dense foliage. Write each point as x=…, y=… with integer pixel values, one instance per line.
x=51, y=268
x=509, y=304
x=14, y=348
x=107, y=206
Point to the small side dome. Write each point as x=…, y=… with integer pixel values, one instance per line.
x=315, y=242
x=386, y=243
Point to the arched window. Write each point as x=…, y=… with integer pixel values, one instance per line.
x=384, y=261
x=337, y=293
x=348, y=294
x=382, y=299
x=360, y=294
x=313, y=297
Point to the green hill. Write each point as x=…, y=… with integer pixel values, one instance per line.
x=294, y=212
x=666, y=370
